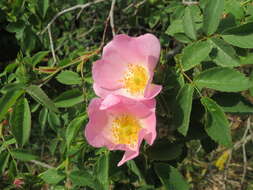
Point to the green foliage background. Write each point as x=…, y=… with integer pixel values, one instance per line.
x=205, y=70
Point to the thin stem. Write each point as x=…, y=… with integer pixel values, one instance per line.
x=68, y=10
x=190, y=2
x=111, y=17
x=51, y=45
x=244, y=150
x=44, y=165
x=8, y=149
x=190, y=80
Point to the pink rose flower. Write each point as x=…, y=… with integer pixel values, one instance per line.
x=120, y=123
x=18, y=183
x=127, y=67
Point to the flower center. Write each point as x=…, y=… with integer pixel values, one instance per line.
x=135, y=79
x=125, y=130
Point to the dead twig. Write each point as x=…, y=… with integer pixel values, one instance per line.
x=51, y=45
x=44, y=165
x=68, y=10
x=48, y=27
x=244, y=151
x=190, y=2
x=111, y=17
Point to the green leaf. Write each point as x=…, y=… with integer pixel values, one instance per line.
x=233, y=103
x=234, y=7
x=43, y=118
x=170, y=177
x=82, y=178
x=4, y=159
x=202, y=3
x=164, y=150
x=223, y=79
x=134, y=168
x=35, y=107
x=52, y=176
x=69, y=78
x=21, y=121
x=189, y=24
x=40, y=96
x=225, y=54
x=240, y=36
x=53, y=145
x=42, y=7
x=175, y=27
x=183, y=108
x=251, y=88
x=8, y=100
x=73, y=128
x=28, y=40
x=248, y=59
x=54, y=121
x=12, y=169
x=23, y=156
x=216, y=125
x=69, y=98
x=7, y=143
x=154, y=19
x=16, y=27
x=196, y=14
x=212, y=15
x=102, y=170
x=182, y=38
x=11, y=67
x=177, y=13
x=194, y=53
x=226, y=23
x=12, y=87
x=38, y=57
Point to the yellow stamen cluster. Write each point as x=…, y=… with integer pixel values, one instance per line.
x=135, y=79
x=125, y=130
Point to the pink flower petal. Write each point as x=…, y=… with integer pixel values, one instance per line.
x=152, y=91
x=100, y=129
x=95, y=128
x=102, y=92
x=148, y=45
x=141, y=109
x=124, y=46
x=134, y=49
x=150, y=103
x=108, y=75
x=150, y=123
x=131, y=154
x=109, y=101
x=125, y=57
